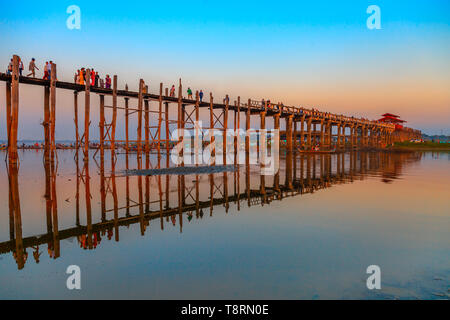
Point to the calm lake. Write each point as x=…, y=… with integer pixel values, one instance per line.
x=309, y=232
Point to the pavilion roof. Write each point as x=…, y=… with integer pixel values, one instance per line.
x=391, y=119
x=390, y=115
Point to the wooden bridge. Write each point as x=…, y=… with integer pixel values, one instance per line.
x=305, y=128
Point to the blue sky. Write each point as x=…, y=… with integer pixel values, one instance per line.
x=312, y=53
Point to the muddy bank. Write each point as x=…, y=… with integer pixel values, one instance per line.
x=180, y=170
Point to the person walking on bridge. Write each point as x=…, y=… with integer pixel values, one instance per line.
x=32, y=68
x=201, y=95
x=189, y=92
x=10, y=68
x=172, y=91
x=20, y=67
x=92, y=77
x=108, y=82
x=81, y=77
x=46, y=71
x=49, y=70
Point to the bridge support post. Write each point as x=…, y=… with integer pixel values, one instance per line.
x=126, y=125
x=102, y=160
x=46, y=123
x=247, y=128
x=295, y=136
x=211, y=130
x=308, y=141
x=289, y=133
x=340, y=142
x=87, y=101
x=183, y=123
x=359, y=137
x=330, y=132
x=159, y=131
x=53, y=109
x=262, y=137
x=13, y=112
x=276, y=124
x=373, y=137
x=75, y=119
x=225, y=128
x=197, y=133
x=302, y=132
x=146, y=123
x=8, y=111
x=102, y=125
x=167, y=122
x=365, y=136
x=322, y=133
x=114, y=117
x=352, y=135
x=139, y=125
x=237, y=134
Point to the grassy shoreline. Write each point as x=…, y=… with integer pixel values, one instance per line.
x=424, y=146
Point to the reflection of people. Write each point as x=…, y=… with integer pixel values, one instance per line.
x=146, y=224
x=110, y=233
x=50, y=249
x=36, y=254
x=20, y=259
x=10, y=68
x=82, y=241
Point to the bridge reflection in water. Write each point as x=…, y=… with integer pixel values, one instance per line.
x=172, y=199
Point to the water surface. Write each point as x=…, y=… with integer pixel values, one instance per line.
x=308, y=232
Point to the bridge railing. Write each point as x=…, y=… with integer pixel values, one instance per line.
x=300, y=111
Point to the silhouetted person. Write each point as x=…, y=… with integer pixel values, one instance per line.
x=32, y=68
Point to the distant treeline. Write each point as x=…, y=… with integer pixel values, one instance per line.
x=436, y=137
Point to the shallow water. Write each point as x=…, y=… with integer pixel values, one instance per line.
x=309, y=232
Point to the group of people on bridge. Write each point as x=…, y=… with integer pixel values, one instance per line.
x=32, y=68
x=189, y=93
x=93, y=78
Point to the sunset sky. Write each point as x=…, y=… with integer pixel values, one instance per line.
x=305, y=53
